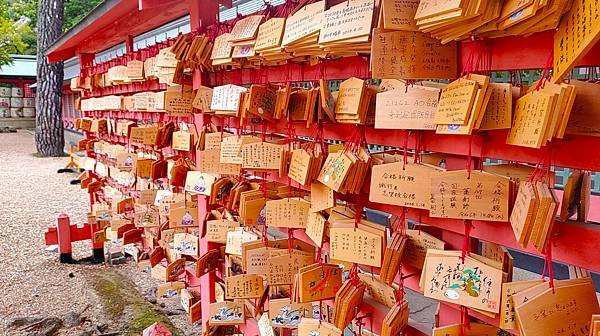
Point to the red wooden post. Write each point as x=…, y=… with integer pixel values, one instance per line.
x=129, y=44
x=203, y=15
x=97, y=246
x=63, y=228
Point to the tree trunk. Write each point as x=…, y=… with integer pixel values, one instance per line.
x=49, y=135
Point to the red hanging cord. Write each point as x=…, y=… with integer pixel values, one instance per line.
x=399, y=293
x=418, y=225
x=468, y=67
x=466, y=239
x=354, y=279
x=405, y=154
x=546, y=72
x=264, y=130
x=548, y=264
x=417, y=146
x=401, y=222
x=290, y=240
x=481, y=157
x=465, y=324
x=470, y=158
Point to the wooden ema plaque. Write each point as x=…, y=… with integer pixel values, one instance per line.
x=244, y=286
x=264, y=326
x=431, y=8
x=231, y=148
x=288, y=212
x=269, y=34
x=335, y=170
x=284, y=313
x=283, y=266
x=319, y=282
x=498, y=113
x=236, y=238
x=347, y=20
x=516, y=172
x=210, y=162
x=402, y=184
x=545, y=216
x=585, y=114
x=199, y=183
x=411, y=55
x=577, y=33
x=203, y=99
x=183, y=217
x=350, y=98
x=392, y=258
x=398, y=15
x=216, y=230
x=412, y=107
x=246, y=28
x=186, y=244
x=417, y=245
x=255, y=260
x=396, y=320
x=195, y=313
x=299, y=169
x=379, y=290
x=227, y=313
x=226, y=98
x=182, y=140
x=261, y=156
x=175, y=269
x=595, y=326
x=178, y=101
x=208, y=262
x=483, y=196
x=531, y=118
x=472, y=283
x=524, y=212
x=213, y=140
x=255, y=255
x=477, y=329
x=566, y=311
x=347, y=299
x=321, y=197
x=312, y=327
x=222, y=47
x=147, y=218
x=303, y=23
x=356, y=245
x=508, y=319
x=456, y=102
x=315, y=227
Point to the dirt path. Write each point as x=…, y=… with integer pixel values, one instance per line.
x=32, y=282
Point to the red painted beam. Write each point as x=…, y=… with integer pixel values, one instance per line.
x=567, y=235
x=113, y=27
x=152, y=4
x=520, y=52
x=63, y=54
x=565, y=153
x=76, y=234
x=342, y=68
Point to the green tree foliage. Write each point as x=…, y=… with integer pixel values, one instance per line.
x=75, y=10
x=11, y=33
x=26, y=10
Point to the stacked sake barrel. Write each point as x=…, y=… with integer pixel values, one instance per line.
x=13, y=104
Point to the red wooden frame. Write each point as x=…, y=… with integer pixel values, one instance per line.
x=131, y=17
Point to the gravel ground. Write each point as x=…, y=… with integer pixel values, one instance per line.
x=32, y=281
